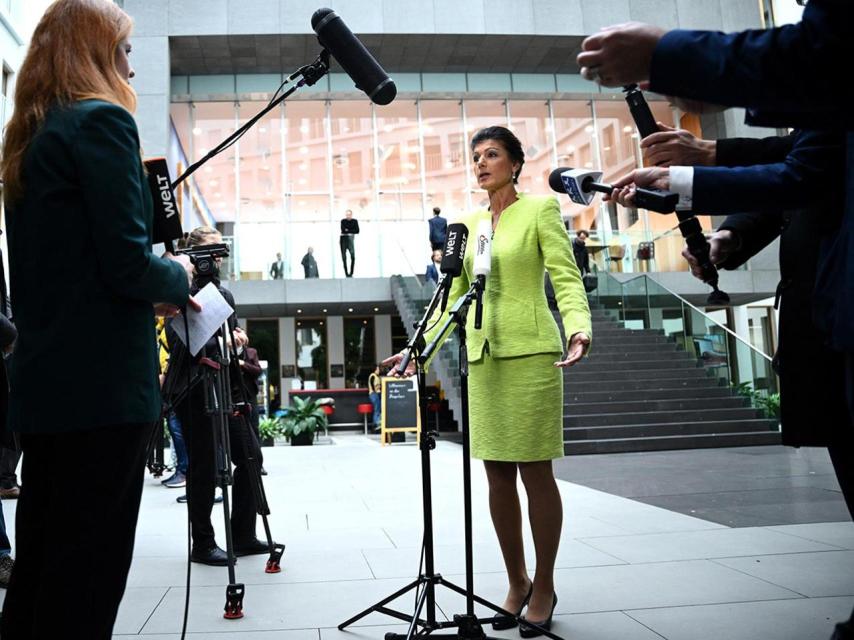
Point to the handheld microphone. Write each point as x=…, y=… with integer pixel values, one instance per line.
x=482, y=265
x=641, y=113
x=581, y=186
x=166, y=226
x=353, y=57
x=452, y=257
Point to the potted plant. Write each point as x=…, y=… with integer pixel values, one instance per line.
x=303, y=418
x=268, y=429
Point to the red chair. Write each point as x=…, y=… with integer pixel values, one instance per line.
x=365, y=409
x=434, y=406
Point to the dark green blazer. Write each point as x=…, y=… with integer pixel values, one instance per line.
x=84, y=278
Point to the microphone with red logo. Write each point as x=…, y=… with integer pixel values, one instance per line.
x=452, y=258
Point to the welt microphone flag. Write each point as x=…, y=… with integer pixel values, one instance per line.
x=167, y=218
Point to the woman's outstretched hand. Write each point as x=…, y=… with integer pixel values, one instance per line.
x=393, y=362
x=577, y=344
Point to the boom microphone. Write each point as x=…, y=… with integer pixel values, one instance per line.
x=166, y=226
x=581, y=186
x=353, y=57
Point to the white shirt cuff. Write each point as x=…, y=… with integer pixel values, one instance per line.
x=682, y=182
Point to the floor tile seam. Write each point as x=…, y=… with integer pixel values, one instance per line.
x=643, y=624
x=390, y=539
x=368, y=563
x=638, y=498
x=766, y=581
x=154, y=609
x=802, y=537
x=657, y=533
x=698, y=559
x=718, y=525
x=684, y=606
x=607, y=553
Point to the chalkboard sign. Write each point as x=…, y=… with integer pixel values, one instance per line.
x=399, y=407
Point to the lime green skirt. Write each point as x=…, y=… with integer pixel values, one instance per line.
x=516, y=408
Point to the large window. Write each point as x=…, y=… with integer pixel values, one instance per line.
x=287, y=183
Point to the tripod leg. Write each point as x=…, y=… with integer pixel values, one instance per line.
x=379, y=605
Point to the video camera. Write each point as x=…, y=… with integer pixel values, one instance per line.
x=204, y=259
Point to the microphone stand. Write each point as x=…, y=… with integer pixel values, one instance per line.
x=468, y=625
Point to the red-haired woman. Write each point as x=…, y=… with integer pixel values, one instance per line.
x=84, y=387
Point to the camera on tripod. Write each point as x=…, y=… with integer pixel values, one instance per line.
x=204, y=258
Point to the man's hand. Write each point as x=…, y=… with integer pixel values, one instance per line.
x=578, y=343
x=395, y=360
x=678, y=147
x=651, y=177
x=619, y=55
x=240, y=337
x=721, y=245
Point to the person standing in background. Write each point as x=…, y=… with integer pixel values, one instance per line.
x=438, y=230
x=349, y=229
x=433, y=267
x=374, y=393
x=579, y=250
x=309, y=264
x=277, y=269
x=71, y=162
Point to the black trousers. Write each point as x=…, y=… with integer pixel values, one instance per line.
x=348, y=243
x=199, y=436
x=9, y=459
x=74, y=542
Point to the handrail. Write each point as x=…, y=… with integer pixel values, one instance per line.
x=700, y=311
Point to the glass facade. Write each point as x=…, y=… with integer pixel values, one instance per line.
x=286, y=184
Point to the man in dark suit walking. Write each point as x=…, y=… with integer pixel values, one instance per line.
x=438, y=230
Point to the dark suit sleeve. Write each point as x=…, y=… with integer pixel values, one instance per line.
x=251, y=365
x=743, y=152
x=108, y=161
x=356, y=224
x=755, y=230
x=793, y=68
x=815, y=164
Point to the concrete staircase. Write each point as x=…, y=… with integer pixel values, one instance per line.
x=638, y=391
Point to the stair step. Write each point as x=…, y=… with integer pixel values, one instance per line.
x=635, y=350
x=591, y=375
x=664, y=443
x=667, y=429
x=620, y=332
x=678, y=384
x=619, y=340
x=572, y=396
x=616, y=364
x=646, y=406
x=656, y=417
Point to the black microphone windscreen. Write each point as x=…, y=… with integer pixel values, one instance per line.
x=555, y=181
x=455, y=249
x=353, y=57
x=167, y=222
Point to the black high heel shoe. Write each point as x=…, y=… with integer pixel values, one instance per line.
x=501, y=622
x=527, y=631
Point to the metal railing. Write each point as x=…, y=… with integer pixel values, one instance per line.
x=643, y=303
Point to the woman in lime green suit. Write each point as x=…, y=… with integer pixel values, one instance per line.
x=516, y=361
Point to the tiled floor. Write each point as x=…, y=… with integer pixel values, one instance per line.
x=350, y=514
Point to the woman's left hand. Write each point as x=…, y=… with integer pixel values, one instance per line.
x=577, y=344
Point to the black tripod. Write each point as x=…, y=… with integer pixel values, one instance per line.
x=214, y=374
x=155, y=460
x=468, y=625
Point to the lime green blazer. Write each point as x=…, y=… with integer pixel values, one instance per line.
x=529, y=240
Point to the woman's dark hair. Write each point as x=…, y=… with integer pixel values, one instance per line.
x=508, y=140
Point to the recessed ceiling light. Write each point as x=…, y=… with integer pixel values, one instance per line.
x=324, y=311
x=197, y=131
x=376, y=308
x=350, y=310
x=299, y=310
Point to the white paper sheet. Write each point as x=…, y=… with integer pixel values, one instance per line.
x=203, y=324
